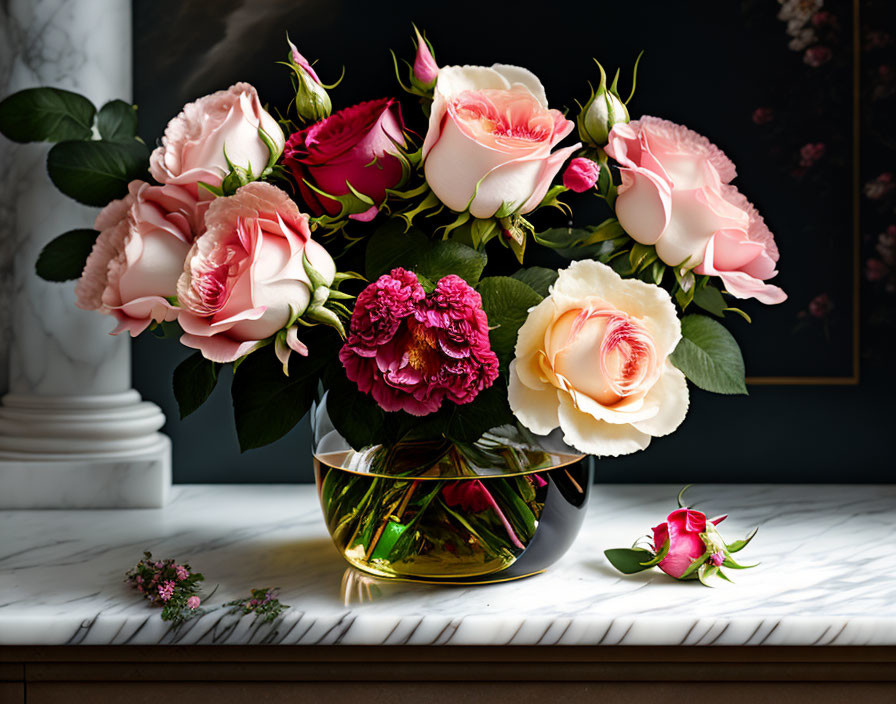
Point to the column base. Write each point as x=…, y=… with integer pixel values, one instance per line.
x=128, y=480
x=83, y=452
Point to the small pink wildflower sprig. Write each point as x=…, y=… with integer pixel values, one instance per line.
x=685, y=546
x=262, y=602
x=166, y=583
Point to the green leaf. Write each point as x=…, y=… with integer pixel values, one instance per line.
x=95, y=173
x=506, y=302
x=628, y=560
x=739, y=545
x=46, y=115
x=357, y=417
x=641, y=255
x=490, y=409
x=266, y=403
x=537, y=278
x=63, y=258
x=117, y=121
x=709, y=356
x=449, y=257
x=390, y=247
x=709, y=298
x=194, y=380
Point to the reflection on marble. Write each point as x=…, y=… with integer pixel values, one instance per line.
x=824, y=577
x=70, y=401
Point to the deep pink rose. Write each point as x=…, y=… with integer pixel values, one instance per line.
x=195, y=142
x=581, y=175
x=359, y=145
x=488, y=146
x=470, y=495
x=139, y=255
x=675, y=195
x=682, y=528
x=244, y=278
x=410, y=352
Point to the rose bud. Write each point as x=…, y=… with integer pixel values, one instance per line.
x=312, y=101
x=603, y=110
x=581, y=174
x=426, y=70
x=685, y=546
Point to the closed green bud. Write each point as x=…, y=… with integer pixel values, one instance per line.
x=312, y=100
x=603, y=110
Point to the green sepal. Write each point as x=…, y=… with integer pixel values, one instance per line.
x=730, y=562
x=660, y=556
x=739, y=545
x=680, y=499
x=694, y=566
x=705, y=573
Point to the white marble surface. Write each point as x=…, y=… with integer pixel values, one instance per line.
x=827, y=575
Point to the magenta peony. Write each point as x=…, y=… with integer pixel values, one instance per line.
x=411, y=352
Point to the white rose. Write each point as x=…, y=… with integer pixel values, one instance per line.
x=592, y=359
x=488, y=147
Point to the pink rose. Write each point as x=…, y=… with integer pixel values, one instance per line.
x=682, y=529
x=221, y=126
x=426, y=70
x=488, y=147
x=356, y=148
x=139, y=254
x=581, y=175
x=244, y=278
x=675, y=195
x=411, y=353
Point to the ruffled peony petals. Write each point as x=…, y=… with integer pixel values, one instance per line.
x=670, y=397
x=537, y=410
x=643, y=205
x=597, y=437
x=681, y=140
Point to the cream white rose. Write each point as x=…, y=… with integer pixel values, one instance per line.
x=489, y=142
x=592, y=359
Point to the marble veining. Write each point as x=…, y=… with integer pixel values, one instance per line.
x=825, y=576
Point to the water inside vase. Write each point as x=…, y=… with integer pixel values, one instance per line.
x=438, y=526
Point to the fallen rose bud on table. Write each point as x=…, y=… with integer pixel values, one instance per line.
x=685, y=546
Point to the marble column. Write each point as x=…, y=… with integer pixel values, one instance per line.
x=73, y=433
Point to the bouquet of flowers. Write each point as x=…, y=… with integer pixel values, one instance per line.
x=420, y=263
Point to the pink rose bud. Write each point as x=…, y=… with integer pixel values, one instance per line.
x=193, y=602
x=581, y=174
x=312, y=100
x=426, y=70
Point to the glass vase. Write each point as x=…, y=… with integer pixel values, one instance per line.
x=505, y=507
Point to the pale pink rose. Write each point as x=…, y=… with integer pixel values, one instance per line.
x=139, y=255
x=675, y=195
x=592, y=359
x=490, y=136
x=244, y=278
x=223, y=123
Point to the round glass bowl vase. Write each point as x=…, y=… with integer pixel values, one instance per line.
x=428, y=510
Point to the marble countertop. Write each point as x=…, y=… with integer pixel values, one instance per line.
x=827, y=575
